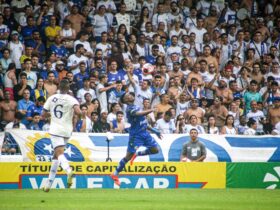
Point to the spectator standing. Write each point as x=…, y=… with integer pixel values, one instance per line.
x=166, y=125
x=21, y=86
x=252, y=95
x=195, y=110
x=84, y=124
x=8, y=109
x=256, y=115
x=219, y=111
x=75, y=59
x=24, y=104
x=118, y=125
x=51, y=84
x=76, y=18
x=16, y=47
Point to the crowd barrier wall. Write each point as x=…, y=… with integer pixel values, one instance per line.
x=87, y=147
x=156, y=175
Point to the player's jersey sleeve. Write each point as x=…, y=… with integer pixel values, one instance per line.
x=73, y=101
x=47, y=104
x=133, y=110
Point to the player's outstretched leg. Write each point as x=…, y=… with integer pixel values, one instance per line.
x=147, y=151
x=54, y=166
x=120, y=167
x=66, y=167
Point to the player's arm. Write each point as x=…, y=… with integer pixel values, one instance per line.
x=77, y=110
x=45, y=114
x=144, y=112
x=155, y=131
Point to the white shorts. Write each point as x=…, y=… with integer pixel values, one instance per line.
x=58, y=141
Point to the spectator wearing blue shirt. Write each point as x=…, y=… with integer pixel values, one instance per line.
x=38, y=47
x=36, y=108
x=234, y=88
x=155, y=53
x=59, y=49
x=98, y=66
x=47, y=69
x=79, y=77
x=35, y=124
x=27, y=31
x=43, y=20
x=113, y=74
x=116, y=93
x=23, y=105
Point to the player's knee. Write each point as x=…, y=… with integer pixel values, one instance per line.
x=154, y=150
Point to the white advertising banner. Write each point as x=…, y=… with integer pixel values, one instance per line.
x=36, y=146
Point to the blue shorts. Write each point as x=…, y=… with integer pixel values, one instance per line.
x=142, y=139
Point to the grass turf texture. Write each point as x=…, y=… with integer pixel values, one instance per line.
x=144, y=199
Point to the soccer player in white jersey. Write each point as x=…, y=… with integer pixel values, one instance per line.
x=61, y=107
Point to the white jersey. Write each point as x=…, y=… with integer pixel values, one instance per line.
x=61, y=109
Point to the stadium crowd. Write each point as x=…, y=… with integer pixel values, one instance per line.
x=210, y=65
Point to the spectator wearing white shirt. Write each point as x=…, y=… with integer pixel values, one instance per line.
x=74, y=60
x=166, y=125
x=191, y=20
x=256, y=115
x=84, y=41
x=252, y=127
x=175, y=14
x=177, y=30
x=160, y=16
x=199, y=30
x=123, y=18
x=259, y=46
x=109, y=5
x=104, y=45
x=101, y=22
x=86, y=89
x=193, y=124
x=174, y=48
x=64, y=8
x=101, y=91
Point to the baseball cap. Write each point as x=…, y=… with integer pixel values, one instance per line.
x=14, y=33
x=59, y=63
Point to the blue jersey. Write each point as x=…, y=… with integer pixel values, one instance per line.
x=113, y=77
x=138, y=124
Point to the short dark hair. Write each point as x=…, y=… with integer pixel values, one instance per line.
x=251, y=122
x=79, y=46
x=119, y=112
x=64, y=85
x=41, y=99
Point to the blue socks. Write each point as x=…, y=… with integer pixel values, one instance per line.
x=120, y=166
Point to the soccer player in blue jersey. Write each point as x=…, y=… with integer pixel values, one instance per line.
x=138, y=134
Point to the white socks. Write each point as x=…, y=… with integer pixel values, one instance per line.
x=54, y=166
x=64, y=163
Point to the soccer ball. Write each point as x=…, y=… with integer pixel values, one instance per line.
x=148, y=68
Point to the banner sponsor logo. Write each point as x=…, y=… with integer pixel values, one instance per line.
x=101, y=181
x=273, y=178
x=36, y=146
x=40, y=149
x=97, y=175
x=253, y=175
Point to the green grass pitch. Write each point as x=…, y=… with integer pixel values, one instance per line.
x=144, y=199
